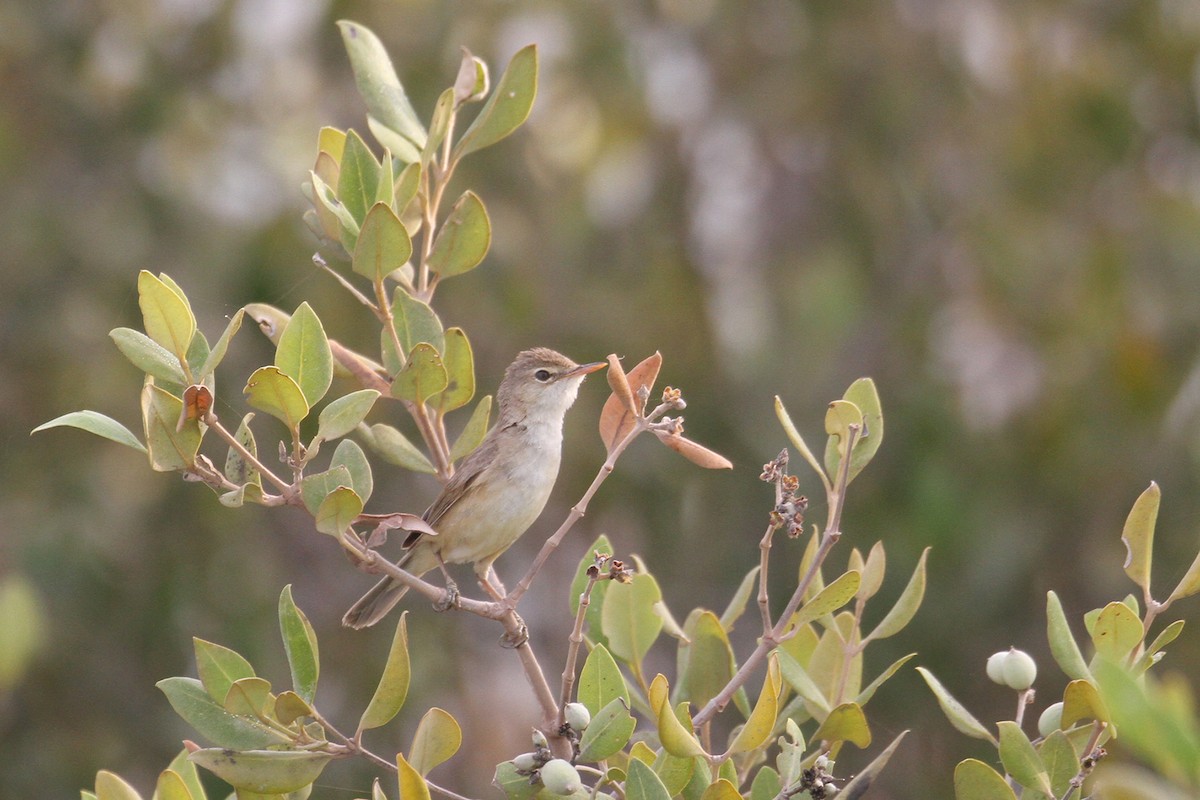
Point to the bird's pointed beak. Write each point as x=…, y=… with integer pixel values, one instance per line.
x=584, y=369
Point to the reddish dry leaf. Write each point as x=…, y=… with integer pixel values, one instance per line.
x=698, y=454
x=389, y=522
x=197, y=400
x=620, y=384
x=617, y=420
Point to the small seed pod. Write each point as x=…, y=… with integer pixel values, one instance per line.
x=560, y=777
x=1051, y=719
x=1013, y=668
x=577, y=716
x=539, y=739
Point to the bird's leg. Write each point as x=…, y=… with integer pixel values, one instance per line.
x=490, y=583
x=450, y=599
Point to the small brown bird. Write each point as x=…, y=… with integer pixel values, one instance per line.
x=500, y=488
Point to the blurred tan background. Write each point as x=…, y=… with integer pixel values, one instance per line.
x=989, y=207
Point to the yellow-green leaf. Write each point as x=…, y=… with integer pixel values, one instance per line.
x=217, y=354
x=422, y=377
x=169, y=447
x=1082, y=701
x=975, y=780
x=955, y=711
x=383, y=243
x=710, y=661
x=395, y=448
x=148, y=355
x=438, y=737
x=507, y=107
x=642, y=784
x=97, y=423
x=846, y=723
x=721, y=789
x=839, y=418
x=762, y=719
x=1063, y=646
x=628, y=617
x=358, y=179
x=269, y=389
x=460, y=371
x=393, y=684
x=303, y=354
x=1117, y=631
x=830, y=599
x=166, y=315
x=412, y=783
x=608, y=732
x=248, y=697
x=868, y=412
x=1021, y=760
x=339, y=508
x=380, y=86
x=263, y=771
x=1189, y=584
x=464, y=238
x=300, y=645
x=677, y=739
x=219, y=667
x=474, y=431
x=345, y=413
x=906, y=605
x=110, y=786
x=171, y=786
x=600, y=681
x=1138, y=536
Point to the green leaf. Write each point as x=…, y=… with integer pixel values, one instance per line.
x=1138, y=536
x=1082, y=701
x=380, y=86
x=338, y=510
x=865, y=399
x=358, y=179
x=710, y=661
x=761, y=722
x=97, y=423
x=396, y=449
x=601, y=682
x=474, y=431
x=290, y=707
x=416, y=322
x=393, y=684
x=845, y=723
x=385, y=192
x=737, y=604
x=464, y=238
x=344, y=414
x=269, y=389
x=300, y=644
x=303, y=354
x=1062, y=642
x=181, y=766
x=460, y=371
x=169, y=447
x=798, y=441
x=439, y=125
x=190, y=701
x=1189, y=584
x=219, y=668
x=1117, y=631
x=347, y=225
x=248, y=697
x=110, y=786
x=839, y=417
x=1021, y=760
x=975, y=780
x=906, y=606
x=608, y=732
x=721, y=789
x=1164, y=638
x=872, y=572
x=507, y=107
x=859, y=786
x=642, y=784
x=349, y=455
x=798, y=678
x=383, y=243
x=166, y=315
x=315, y=488
x=674, y=725
x=673, y=771
x=438, y=737
x=958, y=715
x=422, y=377
x=171, y=786
x=237, y=469
x=217, y=354
x=628, y=617
x=766, y=784
x=406, y=186
x=867, y=693
x=829, y=599
x=263, y=771
x=412, y=784
x=148, y=355
x=1061, y=760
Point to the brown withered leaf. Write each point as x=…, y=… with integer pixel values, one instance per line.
x=618, y=418
x=390, y=522
x=197, y=400
x=698, y=454
x=619, y=383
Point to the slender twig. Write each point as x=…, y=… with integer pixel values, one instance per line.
x=347, y=285
x=210, y=419
x=576, y=640
x=764, y=547
x=1092, y=754
x=353, y=745
x=1023, y=700
x=779, y=633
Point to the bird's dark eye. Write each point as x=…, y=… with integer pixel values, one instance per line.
x=542, y=375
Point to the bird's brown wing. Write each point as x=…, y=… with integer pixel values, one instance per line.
x=458, y=486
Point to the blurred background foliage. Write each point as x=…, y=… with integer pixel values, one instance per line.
x=992, y=208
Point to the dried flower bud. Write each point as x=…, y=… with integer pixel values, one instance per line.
x=539, y=739
x=593, y=572
x=560, y=777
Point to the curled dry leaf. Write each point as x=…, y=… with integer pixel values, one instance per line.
x=391, y=522
x=618, y=417
x=620, y=384
x=197, y=400
x=698, y=454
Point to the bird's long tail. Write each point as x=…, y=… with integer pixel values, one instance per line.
x=375, y=604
